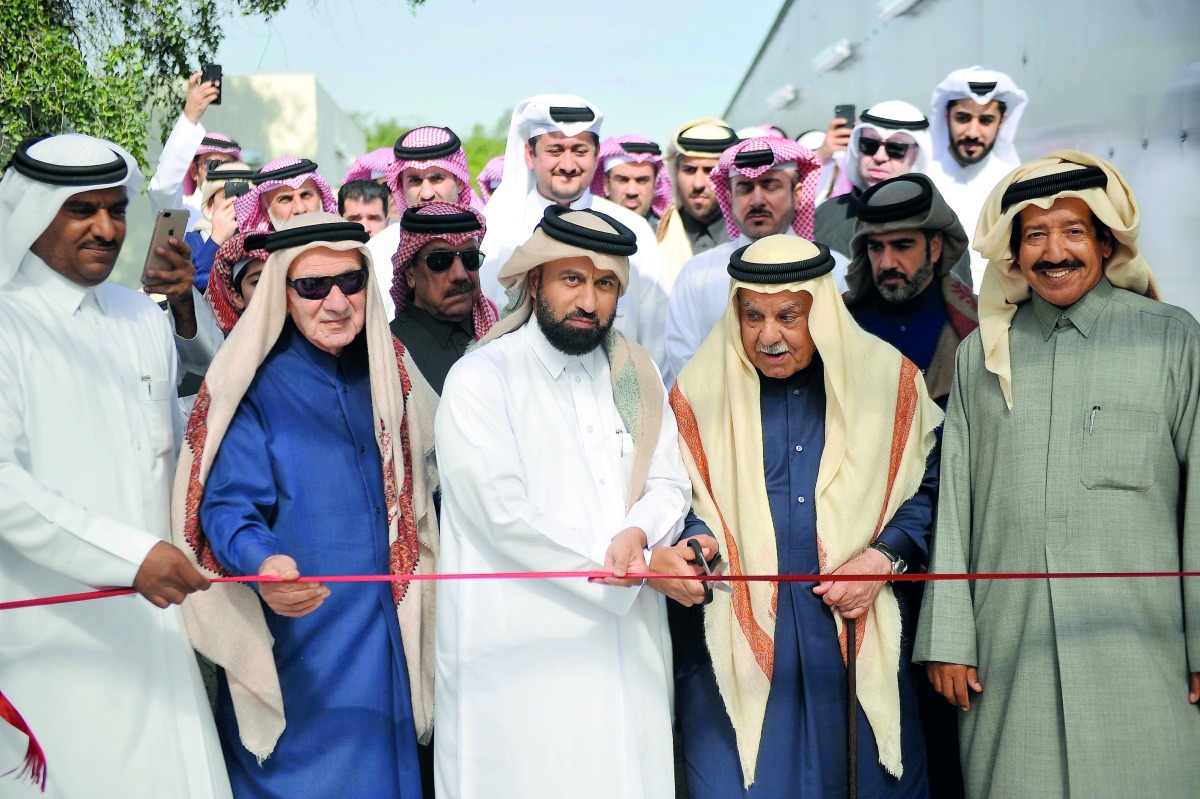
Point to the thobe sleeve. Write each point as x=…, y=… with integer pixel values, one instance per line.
x=651, y=299
x=910, y=528
x=1186, y=429
x=668, y=492
x=45, y=527
x=240, y=495
x=484, y=480
x=946, y=628
x=166, y=187
x=195, y=354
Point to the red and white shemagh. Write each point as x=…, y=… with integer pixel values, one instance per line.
x=252, y=216
x=371, y=166
x=784, y=151
x=484, y=313
x=490, y=177
x=612, y=149
x=189, y=183
x=220, y=290
x=454, y=164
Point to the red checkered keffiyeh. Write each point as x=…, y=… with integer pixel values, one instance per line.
x=211, y=143
x=371, y=166
x=455, y=164
x=484, y=313
x=220, y=291
x=784, y=151
x=490, y=177
x=612, y=153
x=252, y=216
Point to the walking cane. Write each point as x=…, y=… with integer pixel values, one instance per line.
x=851, y=708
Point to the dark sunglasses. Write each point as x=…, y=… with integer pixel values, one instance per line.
x=318, y=288
x=441, y=260
x=211, y=164
x=895, y=150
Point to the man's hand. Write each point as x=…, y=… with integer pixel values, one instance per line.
x=837, y=139
x=680, y=559
x=952, y=680
x=224, y=221
x=291, y=598
x=624, y=555
x=166, y=576
x=852, y=600
x=176, y=284
x=199, y=98
x=1194, y=687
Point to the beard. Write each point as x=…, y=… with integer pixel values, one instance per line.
x=967, y=160
x=565, y=338
x=911, y=286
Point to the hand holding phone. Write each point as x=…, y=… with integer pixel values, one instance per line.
x=171, y=223
x=845, y=111
x=211, y=73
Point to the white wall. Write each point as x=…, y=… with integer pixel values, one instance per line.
x=1119, y=79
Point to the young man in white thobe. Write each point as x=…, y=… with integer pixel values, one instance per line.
x=88, y=433
x=550, y=159
x=557, y=452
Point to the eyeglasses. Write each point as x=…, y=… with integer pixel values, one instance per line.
x=211, y=164
x=895, y=150
x=441, y=260
x=318, y=288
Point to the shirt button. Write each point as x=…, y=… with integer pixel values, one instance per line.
x=345, y=389
x=1064, y=316
x=578, y=379
x=603, y=481
x=799, y=448
x=378, y=510
x=362, y=450
x=903, y=329
x=137, y=445
x=800, y=500
x=589, y=428
x=796, y=391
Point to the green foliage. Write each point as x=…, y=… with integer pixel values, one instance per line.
x=481, y=146
x=99, y=66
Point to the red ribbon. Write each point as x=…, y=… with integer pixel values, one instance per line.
x=35, y=759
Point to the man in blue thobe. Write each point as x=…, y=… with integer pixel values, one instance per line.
x=311, y=476
x=788, y=412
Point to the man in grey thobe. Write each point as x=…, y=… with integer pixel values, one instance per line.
x=1070, y=446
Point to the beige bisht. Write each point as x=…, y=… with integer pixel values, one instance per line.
x=226, y=623
x=879, y=429
x=1004, y=287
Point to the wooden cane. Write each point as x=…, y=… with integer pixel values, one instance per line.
x=851, y=708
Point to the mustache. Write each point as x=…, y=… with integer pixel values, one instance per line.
x=888, y=274
x=1045, y=266
x=778, y=348
x=102, y=244
x=580, y=314
x=459, y=287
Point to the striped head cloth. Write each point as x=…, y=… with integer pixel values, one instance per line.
x=753, y=157
x=617, y=150
x=489, y=178
x=423, y=148
x=211, y=143
x=250, y=208
x=371, y=166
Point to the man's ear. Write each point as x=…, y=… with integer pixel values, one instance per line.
x=528, y=156
x=935, y=247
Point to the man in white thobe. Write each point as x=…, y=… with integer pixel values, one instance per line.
x=550, y=158
x=88, y=433
x=764, y=186
x=973, y=120
x=557, y=452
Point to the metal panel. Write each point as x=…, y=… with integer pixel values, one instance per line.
x=1119, y=79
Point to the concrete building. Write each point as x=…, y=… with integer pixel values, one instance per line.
x=1119, y=79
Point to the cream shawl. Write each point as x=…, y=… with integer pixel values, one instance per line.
x=879, y=429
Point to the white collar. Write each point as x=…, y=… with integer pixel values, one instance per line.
x=63, y=294
x=555, y=360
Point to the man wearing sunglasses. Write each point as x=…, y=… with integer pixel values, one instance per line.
x=305, y=456
x=440, y=310
x=890, y=138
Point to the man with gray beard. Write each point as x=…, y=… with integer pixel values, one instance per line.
x=906, y=240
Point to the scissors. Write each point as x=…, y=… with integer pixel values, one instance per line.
x=716, y=567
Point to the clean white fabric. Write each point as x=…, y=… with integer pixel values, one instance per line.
x=548, y=688
x=642, y=311
x=895, y=110
x=88, y=442
x=383, y=246
x=166, y=187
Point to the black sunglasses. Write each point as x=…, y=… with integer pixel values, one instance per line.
x=441, y=260
x=895, y=150
x=318, y=288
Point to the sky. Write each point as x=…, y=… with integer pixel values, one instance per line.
x=649, y=65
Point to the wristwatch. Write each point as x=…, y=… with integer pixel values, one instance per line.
x=899, y=565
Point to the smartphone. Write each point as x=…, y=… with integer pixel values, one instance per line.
x=236, y=188
x=846, y=112
x=211, y=73
x=171, y=223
